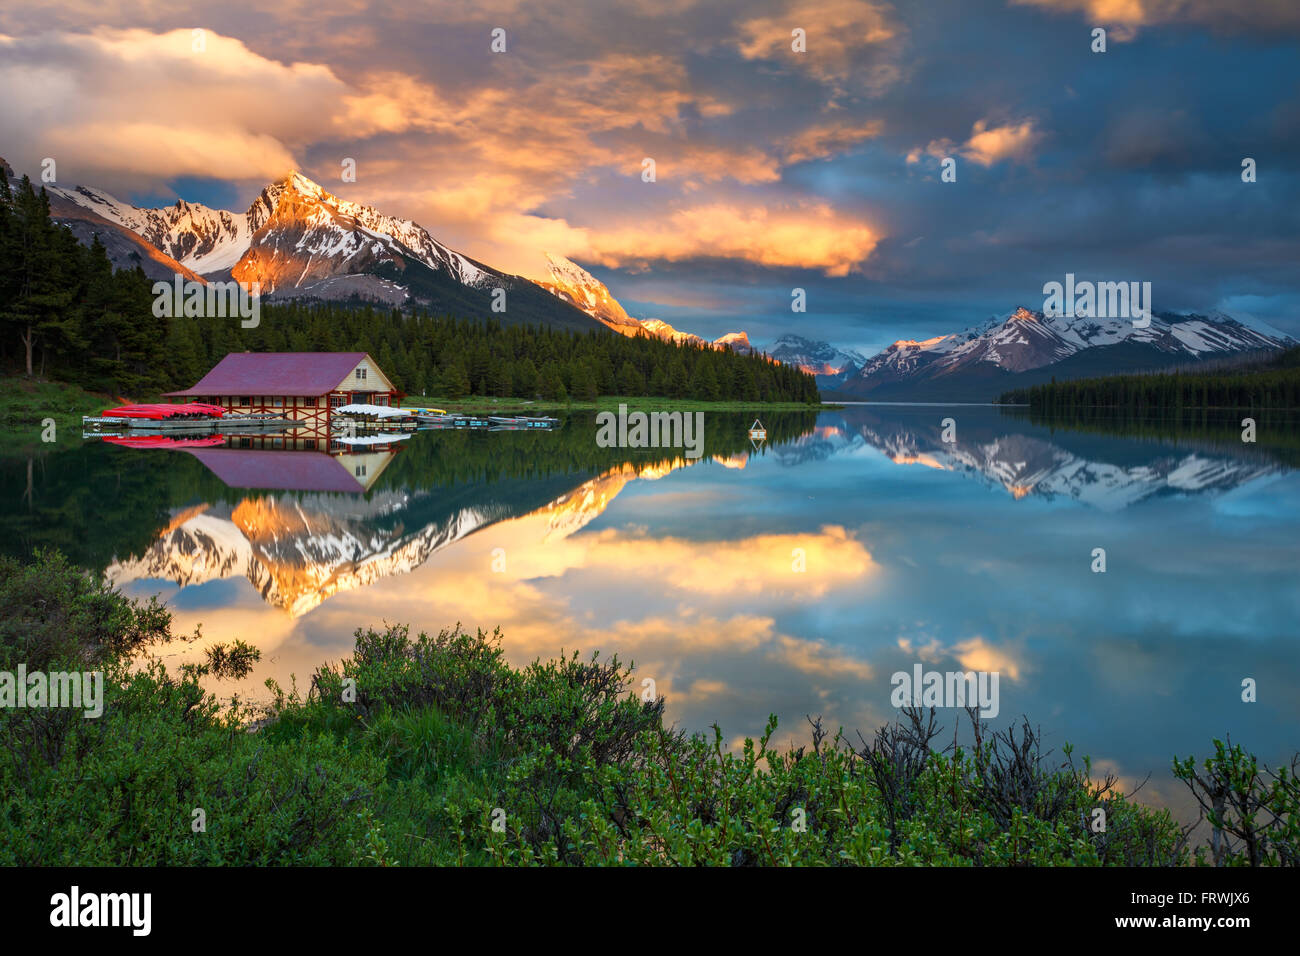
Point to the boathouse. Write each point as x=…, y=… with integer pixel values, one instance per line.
x=302, y=386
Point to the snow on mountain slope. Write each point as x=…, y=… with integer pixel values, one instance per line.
x=1025, y=340
x=1028, y=465
x=736, y=341
x=569, y=281
x=201, y=239
x=308, y=201
x=307, y=226
x=575, y=285
x=830, y=365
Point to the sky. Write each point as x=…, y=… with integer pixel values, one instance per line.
x=775, y=169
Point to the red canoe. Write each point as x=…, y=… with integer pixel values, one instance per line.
x=158, y=412
x=164, y=441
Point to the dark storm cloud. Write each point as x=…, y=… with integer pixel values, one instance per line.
x=776, y=171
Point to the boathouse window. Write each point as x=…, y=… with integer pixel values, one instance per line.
x=361, y=374
x=277, y=401
x=245, y=400
x=309, y=403
x=338, y=400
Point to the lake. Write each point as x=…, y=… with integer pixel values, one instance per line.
x=789, y=576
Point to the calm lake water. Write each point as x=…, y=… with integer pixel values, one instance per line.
x=970, y=554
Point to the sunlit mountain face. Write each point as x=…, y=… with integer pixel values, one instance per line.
x=298, y=550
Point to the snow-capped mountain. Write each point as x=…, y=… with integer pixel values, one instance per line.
x=1024, y=460
x=832, y=366
x=299, y=234
x=125, y=249
x=298, y=550
x=569, y=281
x=736, y=341
x=297, y=240
x=1026, y=347
x=575, y=285
x=300, y=241
x=201, y=239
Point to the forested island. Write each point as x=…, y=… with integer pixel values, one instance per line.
x=1267, y=382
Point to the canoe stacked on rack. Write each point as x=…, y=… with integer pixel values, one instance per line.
x=195, y=418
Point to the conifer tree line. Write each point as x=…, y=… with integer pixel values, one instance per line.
x=446, y=357
x=68, y=315
x=65, y=313
x=1270, y=383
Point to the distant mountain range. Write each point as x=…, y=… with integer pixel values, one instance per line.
x=1029, y=348
x=1029, y=461
x=301, y=242
x=832, y=366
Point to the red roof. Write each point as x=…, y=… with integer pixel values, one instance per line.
x=278, y=469
x=309, y=374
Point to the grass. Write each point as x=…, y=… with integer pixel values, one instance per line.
x=488, y=403
x=27, y=404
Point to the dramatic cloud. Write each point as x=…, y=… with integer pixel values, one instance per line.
x=844, y=39
x=159, y=105
x=1128, y=15
x=809, y=236
x=987, y=145
x=767, y=159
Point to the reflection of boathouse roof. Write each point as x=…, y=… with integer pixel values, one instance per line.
x=286, y=470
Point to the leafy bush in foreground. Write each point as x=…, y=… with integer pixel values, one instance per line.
x=432, y=750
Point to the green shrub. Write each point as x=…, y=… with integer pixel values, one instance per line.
x=433, y=751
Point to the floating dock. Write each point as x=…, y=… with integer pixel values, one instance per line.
x=187, y=426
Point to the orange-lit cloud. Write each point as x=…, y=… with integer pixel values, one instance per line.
x=158, y=105
x=823, y=141
x=987, y=144
x=809, y=235
x=1122, y=18
x=838, y=33
x=473, y=162
x=977, y=654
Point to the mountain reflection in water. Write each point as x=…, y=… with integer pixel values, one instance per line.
x=969, y=554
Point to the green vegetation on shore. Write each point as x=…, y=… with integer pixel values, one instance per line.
x=432, y=750
x=1271, y=382
x=605, y=403
x=26, y=404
